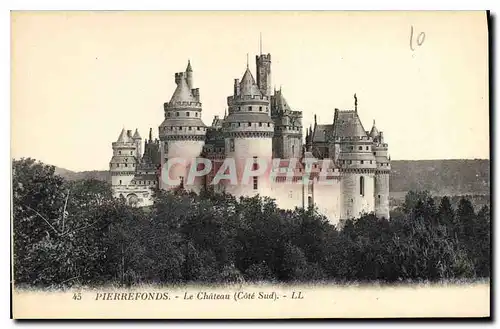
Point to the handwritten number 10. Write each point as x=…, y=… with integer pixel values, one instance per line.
x=420, y=39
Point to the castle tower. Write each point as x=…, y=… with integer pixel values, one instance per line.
x=124, y=161
x=357, y=164
x=263, y=63
x=248, y=130
x=287, y=140
x=138, y=142
x=380, y=151
x=182, y=132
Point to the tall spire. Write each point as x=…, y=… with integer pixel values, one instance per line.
x=150, y=134
x=260, y=43
x=355, y=103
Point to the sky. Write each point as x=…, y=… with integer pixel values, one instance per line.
x=78, y=78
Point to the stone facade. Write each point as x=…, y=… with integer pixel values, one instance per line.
x=340, y=168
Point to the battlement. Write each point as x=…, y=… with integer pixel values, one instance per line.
x=179, y=76
x=123, y=145
x=263, y=57
x=246, y=98
x=353, y=139
x=181, y=104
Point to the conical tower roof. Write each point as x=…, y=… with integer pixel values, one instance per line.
x=188, y=68
x=374, y=132
x=182, y=93
x=123, y=138
x=136, y=135
x=248, y=86
x=348, y=124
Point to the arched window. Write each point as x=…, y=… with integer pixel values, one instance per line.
x=362, y=186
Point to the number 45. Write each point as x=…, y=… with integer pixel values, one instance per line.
x=77, y=296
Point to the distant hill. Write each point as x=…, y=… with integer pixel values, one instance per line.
x=72, y=175
x=440, y=177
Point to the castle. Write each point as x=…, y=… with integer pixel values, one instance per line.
x=259, y=124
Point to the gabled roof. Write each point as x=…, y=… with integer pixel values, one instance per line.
x=348, y=124
x=248, y=86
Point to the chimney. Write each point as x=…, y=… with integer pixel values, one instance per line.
x=236, y=87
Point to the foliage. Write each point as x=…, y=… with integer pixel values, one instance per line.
x=75, y=232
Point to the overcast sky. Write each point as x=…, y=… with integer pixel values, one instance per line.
x=78, y=78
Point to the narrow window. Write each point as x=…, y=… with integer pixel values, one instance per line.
x=374, y=153
x=249, y=124
x=120, y=182
x=181, y=185
x=125, y=165
x=293, y=149
x=176, y=114
x=189, y=128
x=168, y=114
x=360, y=148
x=362, y=186
x=260, y=108
x=198, y=128
x=250, y=109
x=119, y=152
x=367, y=148
x=309, y=201
x=352, y=148
x=239, y=124
x=255, y=182
x=260, y=124
x=187, y=114
x=196, y=114
x=362, y=161
x=269, y=124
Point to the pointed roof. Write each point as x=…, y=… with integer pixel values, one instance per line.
x=123, y=138
x=182, y=93
x=188, y=68
x=374, y=132
x=248, y=87
x=136, y=135
x=280, y=102
x=348, y=124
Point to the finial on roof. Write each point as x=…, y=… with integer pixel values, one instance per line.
x=247, y=60
x=355, y=103
x=150, y=134
x=373, y=122
x=315, y=119
x=225, y=113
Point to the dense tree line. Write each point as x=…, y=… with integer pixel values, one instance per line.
x=75, y=232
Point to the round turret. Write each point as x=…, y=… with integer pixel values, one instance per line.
x=182, y=131
x=123, y=163
x=249, y=130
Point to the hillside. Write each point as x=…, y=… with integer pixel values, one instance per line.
x=440, y=177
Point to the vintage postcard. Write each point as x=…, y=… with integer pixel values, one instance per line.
x=250, y=165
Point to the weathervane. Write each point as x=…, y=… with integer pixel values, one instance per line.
x=355, y=103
